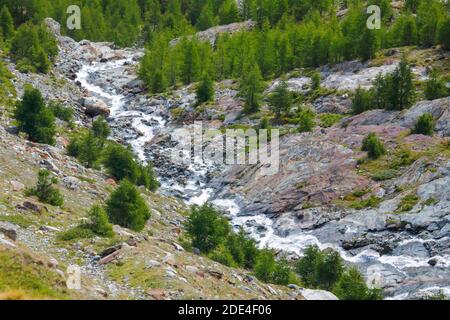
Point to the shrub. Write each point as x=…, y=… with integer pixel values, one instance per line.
x=265, y=266
x=99, y=223
x=127, y=208
x=373, y=146
x=78, y=232
x=315, y=81
x=243, y=249
x=223, y=255
x=281, y=100
x=100, y=128
x=61, y=112
x=329, y=119
x=435, y=87
x=88, y=150
x=424, y=125
x=362, y=101
x=44, y=189
x=382, y=175
x=371, y=202
x=74, y=147
x=207, y=228
x=34, y=118
x=305, y=120
x=351, y=286
x=407, y=203
x=120, y=163
x=205, y=91
x=444, y=31
x=147, y=177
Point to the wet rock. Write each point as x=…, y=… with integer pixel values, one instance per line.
x=433, y=261
x=94, y=107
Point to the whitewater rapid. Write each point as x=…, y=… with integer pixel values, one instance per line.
x=293, y=243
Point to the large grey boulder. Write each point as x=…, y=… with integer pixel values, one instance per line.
x=310, y=294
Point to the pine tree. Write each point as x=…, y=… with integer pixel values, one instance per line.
x=206, y=19
x=435, y=87
x=368, y=44
x=281, y=100
x=34, y=118
x=45, y=191
x=443, y=34
x=99, y=223
x=251, y=89
x=6, y=23
x=361, y=101
x=127, y=208
x=424, y=125
x=205, y=91
x=228, y=12
x=401, y=95
x=191, y=62
x=373, y=146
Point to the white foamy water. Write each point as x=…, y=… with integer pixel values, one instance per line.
x=260, y=227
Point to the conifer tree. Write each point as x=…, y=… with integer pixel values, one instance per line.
x=281, y=100
x=205, y=91
x=34, y=118
x=251, y=89
x=6, y=23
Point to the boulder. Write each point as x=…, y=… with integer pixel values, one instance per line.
x=94, y=107
x=8, y=230
x=16, y=185
x=310, y=294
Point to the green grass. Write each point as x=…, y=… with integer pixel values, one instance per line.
x=329, y=119
x=21, y=277
x=382, y=175
x=79, y=232
x=17, y=219
x=407, y=203
x=371, y=202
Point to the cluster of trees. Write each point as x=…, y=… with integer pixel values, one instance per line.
x=282, y=44
x=93, y=148
x=394, y=91
x=326, y=270
x=212, y=234
x=31, y=45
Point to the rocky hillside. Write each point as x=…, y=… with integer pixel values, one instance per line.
x=390, y=217
x=147, y=265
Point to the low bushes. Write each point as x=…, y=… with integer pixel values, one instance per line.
x=45, y=191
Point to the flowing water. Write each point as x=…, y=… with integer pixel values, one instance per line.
x=147, y=123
